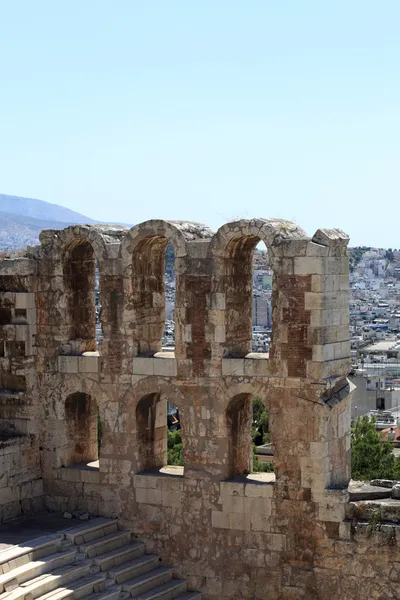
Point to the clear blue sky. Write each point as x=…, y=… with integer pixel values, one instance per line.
x=206, y=110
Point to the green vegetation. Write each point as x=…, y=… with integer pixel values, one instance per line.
x=175, y=452
x=371, y=458
x=389, y=255
x=260, y=435
x=355, y=255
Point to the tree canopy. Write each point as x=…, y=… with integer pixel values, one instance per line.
x=371, y=458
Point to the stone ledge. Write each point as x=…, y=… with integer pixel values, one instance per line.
x=254, y=364
x=89, y=362
x=162, y=364
x=84, y=473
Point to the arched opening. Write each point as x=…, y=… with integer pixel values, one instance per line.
x=262, y=300
x=153, y=286
x=82, y=424
x=159, y=438
x=249, y=445
x=80, y=284
x=247, y=298
x=168, y=341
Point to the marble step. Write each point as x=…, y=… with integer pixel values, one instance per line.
x=91, y=530
x=111, y=593
x=134, y=568
x=167, y=591
x=147, y=581
x=79, y=588
x=106, y=543
x=32, y=569
x=120, y=555
x=39, y=586
x=14, y=557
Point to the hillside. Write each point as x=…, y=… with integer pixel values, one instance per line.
x=22, y=219
x=38, y=209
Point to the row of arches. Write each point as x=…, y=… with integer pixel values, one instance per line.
x=143, y=257
x=155, y=421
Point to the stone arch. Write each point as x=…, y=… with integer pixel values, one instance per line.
x=81, y=429
x=238, y=412
x=143, y=257
x=79, y=270
x=232, y=249
x=239, y=421
x=74, y=253
x=145, y=407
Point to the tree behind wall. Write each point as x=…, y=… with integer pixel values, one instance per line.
x=371, y=458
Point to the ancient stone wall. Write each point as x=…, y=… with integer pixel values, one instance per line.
x=231, y=533
x=21, y=421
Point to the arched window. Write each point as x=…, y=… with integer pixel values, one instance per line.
x=246, y=297
x=81, y=417
x=168, y=341
x=262, y=301
x=249, y=447
x=158, y=435
x=153, y=286
x=80, y=285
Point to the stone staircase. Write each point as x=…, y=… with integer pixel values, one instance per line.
x=94, y=561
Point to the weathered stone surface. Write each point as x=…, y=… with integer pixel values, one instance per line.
x=386, y=483
x=230, y=533
x=361, y=490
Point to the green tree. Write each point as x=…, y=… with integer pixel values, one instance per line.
x=371, y=458
x=260, y=432
x=260, y=435
x=175, y=448
x=389, y=255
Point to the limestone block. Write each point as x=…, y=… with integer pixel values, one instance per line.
x=164, y=367
x=68, y=364
x=219, y=334
x=218, y=301
x=88, y=364
x=145, y=481
x=10, y=494
x=260, y=522
x=233, y=504
x=331, y=511
x=172, y=499
x=31, y=316
x=259, y=490
x=143, y=366
x=240, y=521
x=309, y=265
x=70, y=474
x=316, y=249
x=25, y=300
x=233, y=366
x=256, y=364
x=37, y=488
x=231, y=488
x=148, y=496
x=220, y=520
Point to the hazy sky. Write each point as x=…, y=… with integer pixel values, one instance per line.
x=208, y=110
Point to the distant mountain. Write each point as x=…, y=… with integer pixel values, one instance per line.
x=38, y=209
x=22, y=219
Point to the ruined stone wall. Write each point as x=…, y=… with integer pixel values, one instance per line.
x=20, y=418
x=229, y=532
